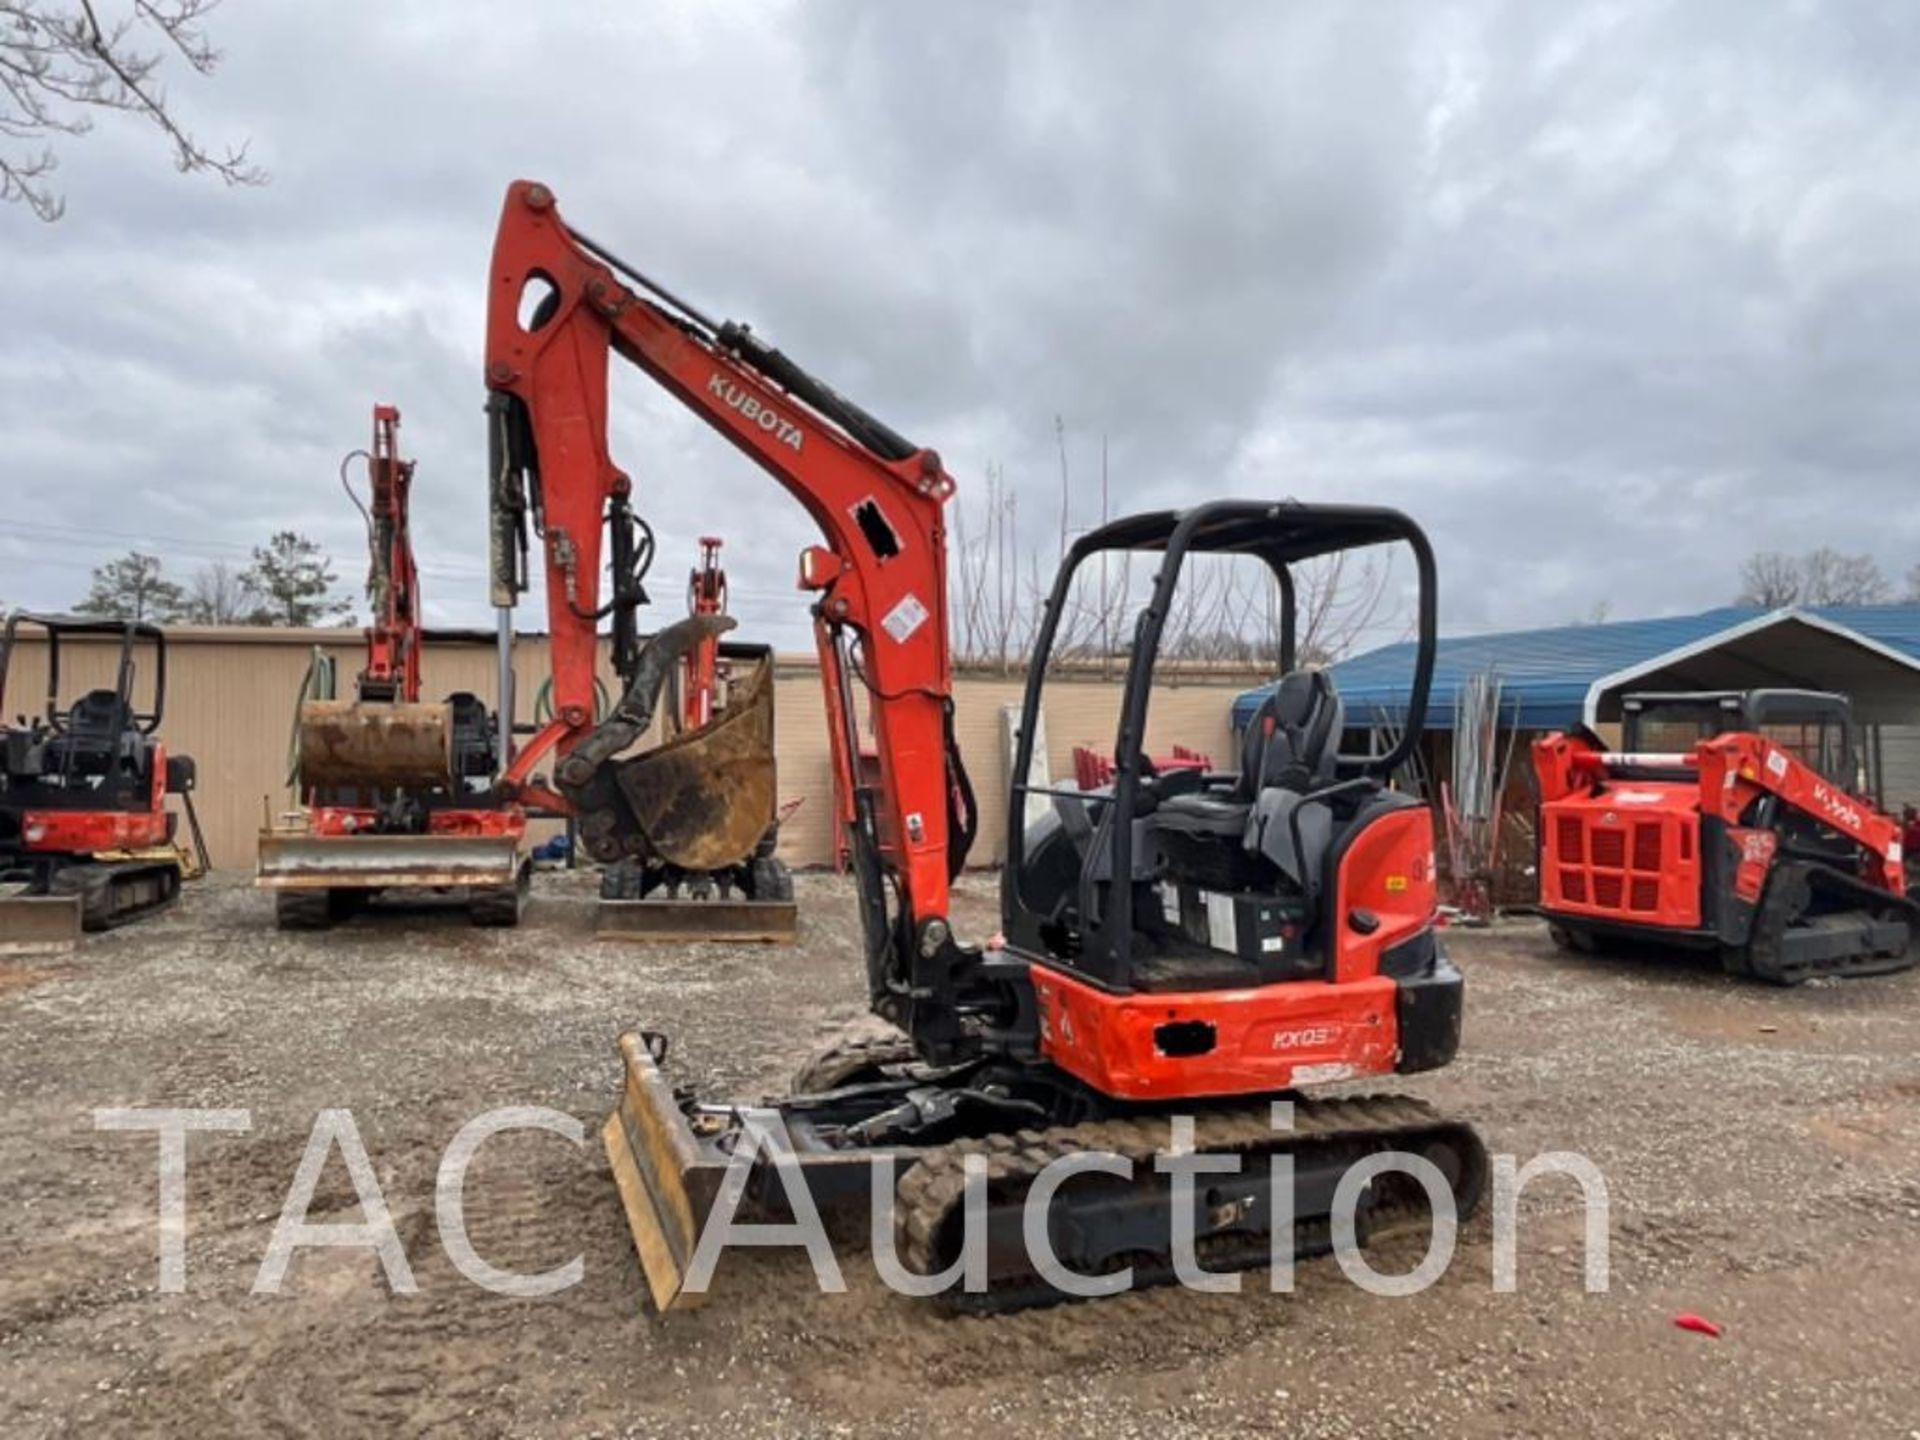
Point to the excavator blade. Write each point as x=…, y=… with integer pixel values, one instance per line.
x=667, y=1179
x=296, y=860
x=384, y=744
x=38, y=924
x=705, y=798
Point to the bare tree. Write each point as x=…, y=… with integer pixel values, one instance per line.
x=59, y=64
x=1769, y=579
x=1340, y=601
x=1823, y=576
x=1599, y=614
x=1830, y=578
x=218, y=594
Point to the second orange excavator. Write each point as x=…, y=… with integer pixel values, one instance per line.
x=397, y=793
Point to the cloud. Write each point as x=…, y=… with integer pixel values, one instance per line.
x=1606, y=296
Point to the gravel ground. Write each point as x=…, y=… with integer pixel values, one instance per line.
x=1762, y=1148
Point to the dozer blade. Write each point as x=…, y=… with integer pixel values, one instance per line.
x=667, y=1178
x=38, y=924
x=294, y=860
x=384, y=744
x=771, y=922
x=706, y=797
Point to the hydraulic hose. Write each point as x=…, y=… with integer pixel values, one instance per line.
x=319, y=683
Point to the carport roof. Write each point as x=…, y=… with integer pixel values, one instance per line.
x=1576, y=673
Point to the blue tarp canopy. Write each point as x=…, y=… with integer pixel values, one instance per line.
x=1551, y=679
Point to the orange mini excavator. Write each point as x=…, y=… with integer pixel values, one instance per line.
x=1174, y=943
x=1727, y=822
x=398, y=793
x=86, y=839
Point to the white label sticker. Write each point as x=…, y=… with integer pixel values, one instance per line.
x=1777, y=762
x=1170, y=901
x=1273, y=944
x=1221, y=934
x=905, y=618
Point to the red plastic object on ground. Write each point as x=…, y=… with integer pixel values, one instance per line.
x=1699, y=1324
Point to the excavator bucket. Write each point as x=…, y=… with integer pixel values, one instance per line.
x=298, y=860
x=385, y=745
x=38, y=924
x=667, y=1177
x=704, y=798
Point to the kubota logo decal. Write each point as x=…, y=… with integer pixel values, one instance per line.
x=737, y=397
x=1839, y=807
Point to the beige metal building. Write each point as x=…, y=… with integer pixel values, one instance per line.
x=231, y=691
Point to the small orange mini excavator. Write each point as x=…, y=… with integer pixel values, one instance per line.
x=1174, y=943
x=398, y=794
x=1727, y=822
x=86, y=839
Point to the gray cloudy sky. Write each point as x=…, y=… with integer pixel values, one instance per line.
x=1607, y=296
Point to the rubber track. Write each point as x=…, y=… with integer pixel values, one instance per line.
x=930, y=1193
x=302, y=909
x=1755, y=959
x=842, y=1061
x=106, y=891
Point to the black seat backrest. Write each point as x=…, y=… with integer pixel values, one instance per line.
x=99, y=716
x=90, y=742
x=1293, y=739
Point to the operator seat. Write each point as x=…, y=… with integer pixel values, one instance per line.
x=1235, y=837
x=91, y=743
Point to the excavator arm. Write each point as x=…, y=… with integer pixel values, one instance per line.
x=393, y=639
x=558, y=308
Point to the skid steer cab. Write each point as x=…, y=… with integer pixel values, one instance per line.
x=86, y=838
x=1729, y=821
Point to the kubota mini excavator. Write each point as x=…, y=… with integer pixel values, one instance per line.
x=1727, y=821
x=86, y=839
x=398, y=794
x=1176, y=943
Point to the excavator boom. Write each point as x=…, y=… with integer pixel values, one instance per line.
x=559, y=310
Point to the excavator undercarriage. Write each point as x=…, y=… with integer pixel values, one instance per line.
x=926, y=1130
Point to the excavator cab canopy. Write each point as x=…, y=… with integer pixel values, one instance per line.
x=60, y=712
x=1114, y=839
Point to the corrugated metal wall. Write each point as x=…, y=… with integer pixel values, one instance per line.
x=230, y=706
x=1900, y=766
